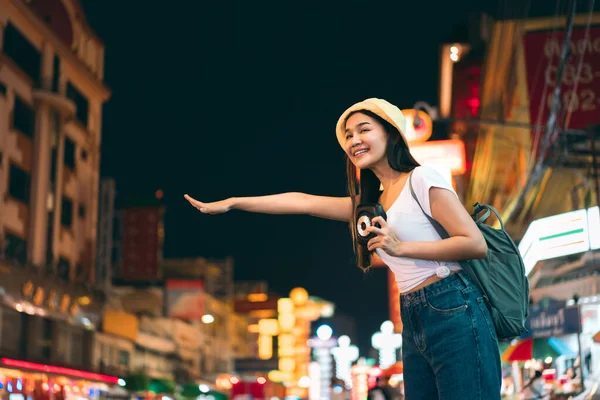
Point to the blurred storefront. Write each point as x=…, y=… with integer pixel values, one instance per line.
x=114, y=347
x=562, y=258
x=41, y=382
x=47, y=337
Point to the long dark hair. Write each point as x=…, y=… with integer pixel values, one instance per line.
x=366, y=188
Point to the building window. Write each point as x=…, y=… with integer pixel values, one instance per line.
x=123, y=358
x=77, y=349
x=62, y=344
x=55, y=74
x=69, y=153
x=22, y=52
x=40, y=331
x=2, y=89
x=80, y=272
x=81, y=103
x=81, y=211
x=66, y=216
x=0, y=159
x=12, y=332
x=63, y=268
x=16, y=248
x=102, y=356
x=23, y=117
x=18, y=184
x=84, y=154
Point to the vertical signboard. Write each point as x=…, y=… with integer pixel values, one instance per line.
x=141, y=244
x=580, y=84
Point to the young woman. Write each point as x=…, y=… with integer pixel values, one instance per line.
x=450, y=349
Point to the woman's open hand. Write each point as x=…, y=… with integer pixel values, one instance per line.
x=386, y=238
x=217, y=207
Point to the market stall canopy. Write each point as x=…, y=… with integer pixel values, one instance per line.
x=538, y=348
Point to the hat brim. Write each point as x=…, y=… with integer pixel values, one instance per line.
x=379, y=107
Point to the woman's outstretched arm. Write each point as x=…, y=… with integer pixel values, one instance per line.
x=336, y=208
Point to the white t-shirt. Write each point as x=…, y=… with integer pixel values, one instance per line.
x=411, y=225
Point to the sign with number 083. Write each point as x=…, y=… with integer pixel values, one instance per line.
x=580, y=83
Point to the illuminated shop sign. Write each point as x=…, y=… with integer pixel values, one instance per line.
x=560, y=235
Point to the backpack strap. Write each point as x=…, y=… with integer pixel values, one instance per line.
x=466, y=266
x=477, y=208
x=436, y=225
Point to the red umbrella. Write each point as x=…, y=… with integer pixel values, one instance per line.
x=538, y=348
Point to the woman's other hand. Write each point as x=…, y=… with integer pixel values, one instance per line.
x=217, y=207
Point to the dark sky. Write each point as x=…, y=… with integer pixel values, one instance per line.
x=220, y=99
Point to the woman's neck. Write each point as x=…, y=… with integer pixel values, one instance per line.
x=387, y=176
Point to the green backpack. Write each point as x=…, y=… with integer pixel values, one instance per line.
x=500, y=275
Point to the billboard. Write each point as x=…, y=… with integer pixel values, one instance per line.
x=184, y=298
x=120, y=323
x=141, y=244
x=580, y=86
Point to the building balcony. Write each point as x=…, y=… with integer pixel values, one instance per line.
x=55, y=100
x=36, y=290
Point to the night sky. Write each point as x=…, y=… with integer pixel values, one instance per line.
x=221, y=99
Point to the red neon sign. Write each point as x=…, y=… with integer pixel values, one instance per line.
x=59, y=370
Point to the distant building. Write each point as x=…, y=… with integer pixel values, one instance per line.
x=51, y=95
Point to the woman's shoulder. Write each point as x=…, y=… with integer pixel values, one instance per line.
x=428, y=176
x=425, y=170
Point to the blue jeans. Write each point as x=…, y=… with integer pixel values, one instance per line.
x=450, y=349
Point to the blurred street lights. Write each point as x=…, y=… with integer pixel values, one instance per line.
x=344, y=355
x=322, y=345
x=388, y=343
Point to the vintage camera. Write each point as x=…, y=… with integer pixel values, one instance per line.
x=364, y=217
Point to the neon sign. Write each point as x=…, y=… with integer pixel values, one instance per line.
x=9, y=362
x=387, y=342
x=344, y=354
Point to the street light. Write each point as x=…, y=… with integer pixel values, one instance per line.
x=324, y=332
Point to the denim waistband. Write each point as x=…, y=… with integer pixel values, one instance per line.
x=457, y=280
